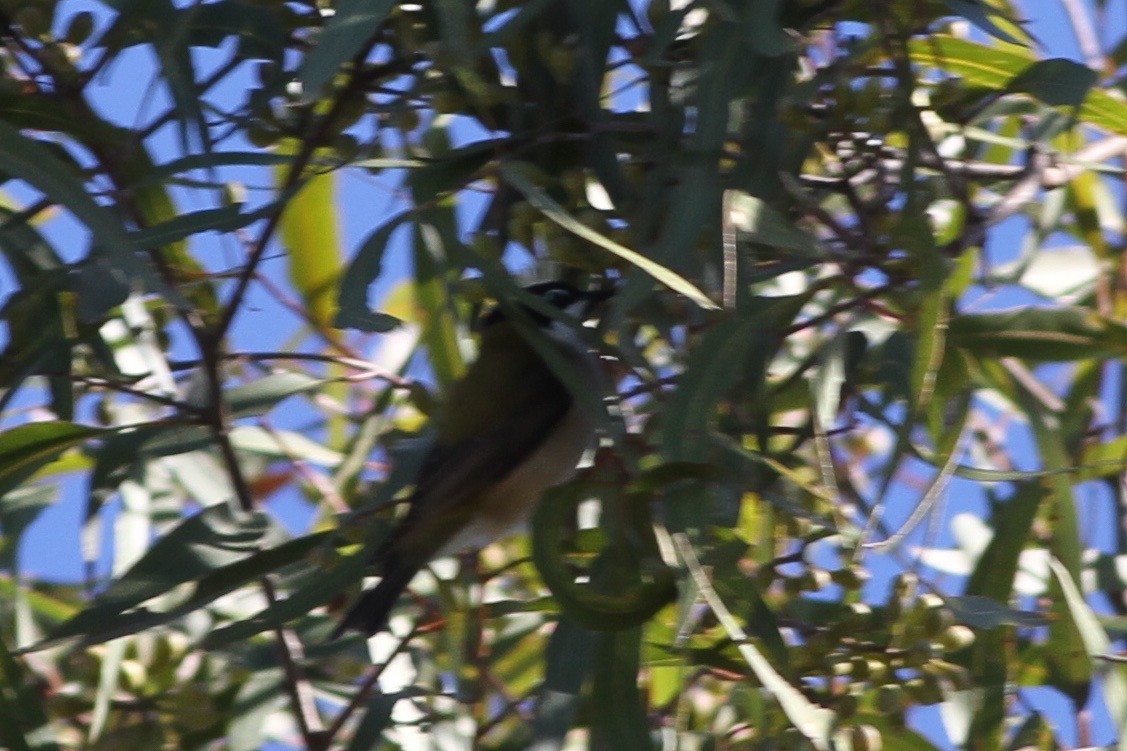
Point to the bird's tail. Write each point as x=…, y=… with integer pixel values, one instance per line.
x=369, y=614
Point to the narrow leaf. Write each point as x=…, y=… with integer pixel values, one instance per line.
x=351, y=24
x=618, y=713
x=559, y=215
x=21, y=710
x=1039, y=334
x=259, y=397
x=310, y=234
x=1097, y=645
x=27, y=448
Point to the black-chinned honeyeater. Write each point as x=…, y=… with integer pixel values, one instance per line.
x=510, y=429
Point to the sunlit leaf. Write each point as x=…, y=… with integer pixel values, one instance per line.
x=309, y=232
x=1096, y=644
x=557, y=214
x=27, y=448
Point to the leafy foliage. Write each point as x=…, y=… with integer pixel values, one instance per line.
x=869, y=259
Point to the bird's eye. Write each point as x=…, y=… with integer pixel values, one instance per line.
x=558, y=297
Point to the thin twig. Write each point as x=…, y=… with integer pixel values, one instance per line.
x=293, y=177
x=832, y=311
x=364, y=366
x=305, y=315
x=104, y=383
x=368, y=685
x=321, y=484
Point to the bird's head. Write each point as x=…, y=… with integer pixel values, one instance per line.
x=579, y=304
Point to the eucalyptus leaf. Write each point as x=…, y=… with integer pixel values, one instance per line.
x=557, y=214
x=26, y=449
x=214, y=552
x=350, y=25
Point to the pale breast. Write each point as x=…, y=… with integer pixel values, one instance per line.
x=505, y=509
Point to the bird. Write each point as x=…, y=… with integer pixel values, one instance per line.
x=510, y=430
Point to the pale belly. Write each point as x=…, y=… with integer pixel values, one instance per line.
x=505, y=510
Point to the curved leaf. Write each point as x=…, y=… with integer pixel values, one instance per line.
x=559, y=215
x=26, y=449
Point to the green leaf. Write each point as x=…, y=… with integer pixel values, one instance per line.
x=569, y=657
x=734, y=350
x=595, y=22
x=209, y=540
x=26, y=449
x=309, y=232
x=212, y=553
x=353, y=310
x=256, y=28
x=283, y=444
x=352, y=23
x=1056, y=82
x=1067, y=670
x=431, y=251
x=993, y=578
x=931, y=318
x=542, y=201
x=722, y=359
x=260, y=695
x=434, y=178
x=376, y=718
x=260, y=396
x=19, y=508
x=1106, y=111
x=117, y=454
x=313, y=593
x=21, y=709
x=993, y=575
x=224, y=219
x=618, y=715
x=168, y=36
x=1039, y=334
x=29, y=160
x=696, y=193
x=828, y=378
x=761, y=224
x=1102, y=459
x=977, y=64
x=994, y=68
x=161, y=173
x=1096, y=645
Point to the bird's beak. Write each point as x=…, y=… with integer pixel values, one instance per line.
x=595, y=298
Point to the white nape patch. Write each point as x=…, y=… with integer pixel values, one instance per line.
x=598, y=197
